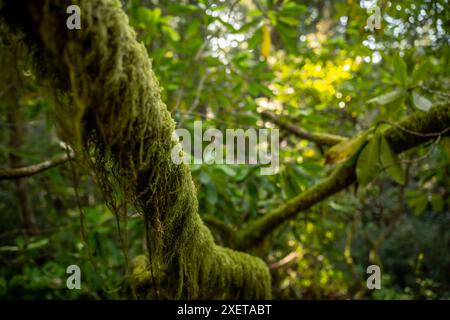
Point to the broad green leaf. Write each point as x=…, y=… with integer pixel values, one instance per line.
x=193, y=30
x=400, y=71
x=211, y=193
x=390, y=162
x=217, y=8
x=228, y=170
x=421, y=103
x=248, y=26
x=255, y=39
x=227, y=25
x=149, y=17
x=291, y=187
x=419, y=73
x=311, y=167
x=272, y=15
x=418, y=202
x=293, y=9
x=252, y=188
x=264, y=89
x=172, y=33
x=254, y=13
x=437, y=202
x=182, y=8
x=387, y=97
x=204, y=177
x=367, y=165
x=287, y=31
x=445, y=147
x=288, y=37
x=291, y=21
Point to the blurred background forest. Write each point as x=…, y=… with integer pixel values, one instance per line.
x=312, y=65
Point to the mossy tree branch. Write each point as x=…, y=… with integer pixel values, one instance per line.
x=110, y=111
x=321, y=139
x=436, y=120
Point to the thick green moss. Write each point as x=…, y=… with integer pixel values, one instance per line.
x=110, y=111
x=427, y=124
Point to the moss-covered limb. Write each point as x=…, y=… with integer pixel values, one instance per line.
x=426, y=125
x=110, y=111
x=322, y=139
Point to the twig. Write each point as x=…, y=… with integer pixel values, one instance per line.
x=316, y=137
x=16, y=173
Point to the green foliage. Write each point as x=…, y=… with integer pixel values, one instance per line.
x=388, y=97
x=420, y=102
x=400, y=71
x=390, y=162
x=368, y=164
x=323, y=73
